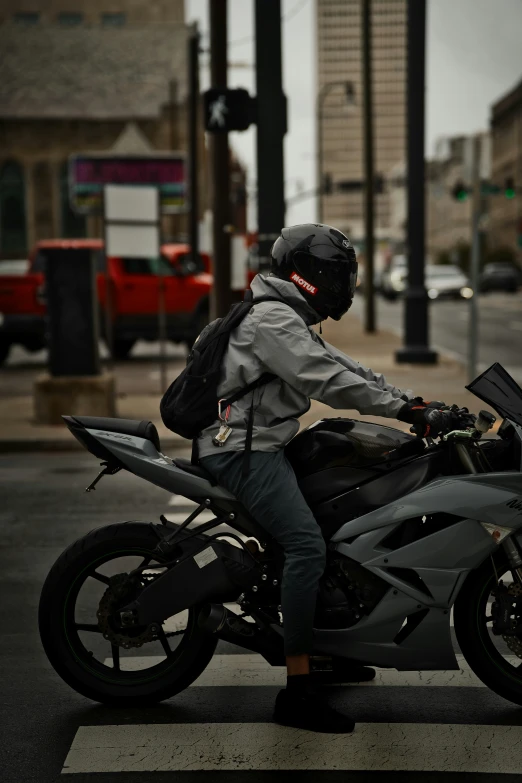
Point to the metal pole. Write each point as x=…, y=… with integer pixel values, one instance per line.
x=271, y=126
x=416, y=348
x=475, y=261
x=193, y=142
x=369, y=321
x=162, y=313
x=320, y=101
x=221, y=295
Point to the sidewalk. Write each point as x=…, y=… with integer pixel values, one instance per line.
x=444, y=381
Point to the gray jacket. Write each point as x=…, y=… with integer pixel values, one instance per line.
x=278, y=338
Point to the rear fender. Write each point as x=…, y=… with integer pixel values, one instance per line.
x=141, y=457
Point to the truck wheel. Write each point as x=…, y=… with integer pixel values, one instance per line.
x=5, y=347
x=122, y=348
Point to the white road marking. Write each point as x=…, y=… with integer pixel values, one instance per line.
x=179, y=500
x=268, y=746
x=180, y=516
x=252, y=669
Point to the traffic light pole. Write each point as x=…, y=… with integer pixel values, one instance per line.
x=221, y=296
x=369, y=294
x=416, y=348
x=271, y=126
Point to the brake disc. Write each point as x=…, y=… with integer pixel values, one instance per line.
x=120, y=591
x=514, y=642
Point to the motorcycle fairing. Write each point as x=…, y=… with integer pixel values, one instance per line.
x=409, y=628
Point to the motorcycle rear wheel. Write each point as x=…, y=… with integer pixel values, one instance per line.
x=474, y=636
x=65, y=649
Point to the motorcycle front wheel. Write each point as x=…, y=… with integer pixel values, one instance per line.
x=74, y=640
x=488, y=655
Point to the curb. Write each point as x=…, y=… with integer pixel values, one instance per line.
x=27, y=445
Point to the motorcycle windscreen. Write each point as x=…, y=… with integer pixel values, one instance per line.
x=496, y=387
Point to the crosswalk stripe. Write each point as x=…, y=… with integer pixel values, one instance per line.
x=179, y=500
x=268, y=746
x=252, y=669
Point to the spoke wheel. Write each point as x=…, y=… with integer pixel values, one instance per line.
x=488, y=654
x=107, y=663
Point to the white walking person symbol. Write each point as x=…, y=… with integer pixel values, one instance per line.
x=218, y=110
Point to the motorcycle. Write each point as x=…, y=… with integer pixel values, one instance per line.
x=414, y=528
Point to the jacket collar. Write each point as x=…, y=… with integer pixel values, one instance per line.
x=287, y=292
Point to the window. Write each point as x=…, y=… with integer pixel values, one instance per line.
x=146, y=266
x=72, y=224
x=113, y=20
x=12, y=210
x=26, y=17
x=70, y=18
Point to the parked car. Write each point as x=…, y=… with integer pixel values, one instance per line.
x=502, y=276
x=441, y=280
x=393, y=279
x=134, y=296
x=446, y=281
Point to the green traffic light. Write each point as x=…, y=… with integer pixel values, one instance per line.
x=462, y=195
x=509, y=193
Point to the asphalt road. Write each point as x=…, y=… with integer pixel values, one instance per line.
x=221, y=727
x=500, y=327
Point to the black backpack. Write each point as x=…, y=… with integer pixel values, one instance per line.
x=190, y=404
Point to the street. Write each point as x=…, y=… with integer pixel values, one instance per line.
x=500, y=330
x=428, y=722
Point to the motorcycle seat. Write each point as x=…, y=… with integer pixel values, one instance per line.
x=194, y=470
x=139, y=429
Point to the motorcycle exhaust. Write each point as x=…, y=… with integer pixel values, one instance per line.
x=219, y=620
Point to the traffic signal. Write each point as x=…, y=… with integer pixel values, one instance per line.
x=460, y=192
x=227, y=110
x=509, y=188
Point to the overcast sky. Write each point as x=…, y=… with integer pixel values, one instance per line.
x=474, y=57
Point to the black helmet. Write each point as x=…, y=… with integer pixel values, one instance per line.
x=320, y=261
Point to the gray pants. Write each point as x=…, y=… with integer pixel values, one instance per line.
x=271, y=495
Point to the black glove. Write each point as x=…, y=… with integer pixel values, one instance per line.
x=428, y=420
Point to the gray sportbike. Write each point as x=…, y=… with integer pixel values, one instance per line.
x=131, y=613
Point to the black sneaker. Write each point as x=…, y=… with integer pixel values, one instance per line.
x=309, y=710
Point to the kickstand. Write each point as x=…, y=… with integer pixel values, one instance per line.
x=108, y=470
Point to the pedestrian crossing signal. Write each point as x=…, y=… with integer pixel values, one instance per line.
x=228, y=110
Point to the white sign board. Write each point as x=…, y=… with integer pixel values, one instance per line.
x=132, y=221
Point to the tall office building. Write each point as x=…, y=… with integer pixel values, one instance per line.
x=338, y=25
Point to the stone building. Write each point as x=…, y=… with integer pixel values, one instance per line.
x=83, y=89
x=91, y=12
x=338, y=24
x=505, y=223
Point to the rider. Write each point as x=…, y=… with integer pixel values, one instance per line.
x=313, y=275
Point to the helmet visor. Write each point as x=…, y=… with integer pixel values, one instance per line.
x=337, y=275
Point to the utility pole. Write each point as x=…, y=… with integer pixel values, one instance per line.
x=369, y=320
x=193, y=143
x=221, y=296
x=271, y=126
x=416, y=348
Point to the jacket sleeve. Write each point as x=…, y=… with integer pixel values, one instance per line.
x=286, y=348
x=365, y=372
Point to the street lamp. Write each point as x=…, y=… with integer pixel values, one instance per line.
x=321, y=96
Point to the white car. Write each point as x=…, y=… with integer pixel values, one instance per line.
x=441, y=280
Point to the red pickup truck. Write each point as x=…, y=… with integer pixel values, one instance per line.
x=134, y=285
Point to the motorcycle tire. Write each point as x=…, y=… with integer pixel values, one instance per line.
x=474, y=639
x=67, y=654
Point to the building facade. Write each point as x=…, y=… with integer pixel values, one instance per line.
x=338, y=25
x=505, y=221
x=70, y=13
